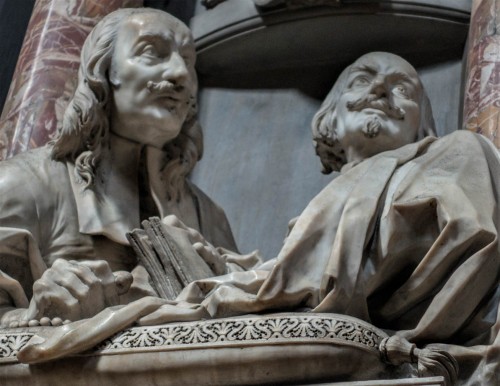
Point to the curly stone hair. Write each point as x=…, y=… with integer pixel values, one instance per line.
x=85, y=127
x=324, y=125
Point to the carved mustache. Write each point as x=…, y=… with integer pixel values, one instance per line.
x=374, y=102
x=163, y=86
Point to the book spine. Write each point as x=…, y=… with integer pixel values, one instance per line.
x=162, y=278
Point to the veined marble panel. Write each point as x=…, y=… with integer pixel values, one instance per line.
x=482, y=87
x=46, y=72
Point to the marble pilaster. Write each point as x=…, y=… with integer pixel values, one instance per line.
x=46, y=71
x=482, y=87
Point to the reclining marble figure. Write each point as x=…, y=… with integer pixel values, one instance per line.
x=406, y=237
x=128, y=141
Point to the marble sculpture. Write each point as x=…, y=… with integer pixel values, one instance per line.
x=127, y=143
x=405, y=238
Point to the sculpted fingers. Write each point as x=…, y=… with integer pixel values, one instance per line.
x=173, y=220
x=72, y=283
x=196, y=237
x=52, y=300
x=100, y=268
x=109, y=288
x=105, y=288
x=77, y=289
x=94, y=299
x=123, y=281
x=212, y=257
x=75, y=277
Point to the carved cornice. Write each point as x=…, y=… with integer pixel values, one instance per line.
x=209, y=4
x=296, y=3
x=307, y=45
x=233, y=332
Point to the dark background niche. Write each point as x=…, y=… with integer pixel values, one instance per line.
x=14, y=18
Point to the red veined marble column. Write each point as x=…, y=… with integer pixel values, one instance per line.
x=482, y=86
x=46, y=71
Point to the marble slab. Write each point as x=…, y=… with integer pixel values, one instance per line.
x=278, y=348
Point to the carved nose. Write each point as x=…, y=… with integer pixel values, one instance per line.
x=176, y=70
x=379, y=89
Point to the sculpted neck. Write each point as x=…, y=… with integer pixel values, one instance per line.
x=359, y=151
x=354, y=157
x=133, y=162
x=140, y=168
x=124, y=158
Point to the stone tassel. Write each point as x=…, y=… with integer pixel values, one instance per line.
x=431, y=362
x=46, y=72
x=482, y=82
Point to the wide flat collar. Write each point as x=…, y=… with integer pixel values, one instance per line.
x=111, y=206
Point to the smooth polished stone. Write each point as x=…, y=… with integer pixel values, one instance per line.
x=278, y=348
x=481, y=97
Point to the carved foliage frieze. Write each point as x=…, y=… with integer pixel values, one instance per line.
x=11, y=343
x=232, y=332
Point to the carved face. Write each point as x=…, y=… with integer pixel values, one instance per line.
x=379, y=109
x=153, y=77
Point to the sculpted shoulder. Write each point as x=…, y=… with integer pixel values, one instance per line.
x=32, y=170
x=465, y=142
x=462, y=136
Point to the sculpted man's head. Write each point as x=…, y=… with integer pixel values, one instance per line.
x=377, y=104
x=152, y=76
x=136, y=80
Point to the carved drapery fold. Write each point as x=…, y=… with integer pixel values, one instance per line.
x=45, y=75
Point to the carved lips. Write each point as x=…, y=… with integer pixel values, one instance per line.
x=169, y=93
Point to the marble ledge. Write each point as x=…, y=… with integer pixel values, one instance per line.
x=279, y=348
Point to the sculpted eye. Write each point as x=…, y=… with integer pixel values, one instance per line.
x=149, y=50
x=400, y=90
x=361, y=80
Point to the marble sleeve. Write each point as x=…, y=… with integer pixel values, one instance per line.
x=20, y=258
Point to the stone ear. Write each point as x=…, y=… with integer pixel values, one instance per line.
x=334, y=125
x=331, y=125
x=113, y=81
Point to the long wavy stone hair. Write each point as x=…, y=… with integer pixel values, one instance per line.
x=85, y=128
x=324, y=130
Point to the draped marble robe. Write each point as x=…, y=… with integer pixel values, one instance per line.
x=45, y=214
x=406, y=240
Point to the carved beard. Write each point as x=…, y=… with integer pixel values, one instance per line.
x=374, y=102
x=371, y=127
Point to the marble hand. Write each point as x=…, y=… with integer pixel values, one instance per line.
x=207, y=251
x=74, y=290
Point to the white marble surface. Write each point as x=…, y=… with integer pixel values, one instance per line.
x=278, y=348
